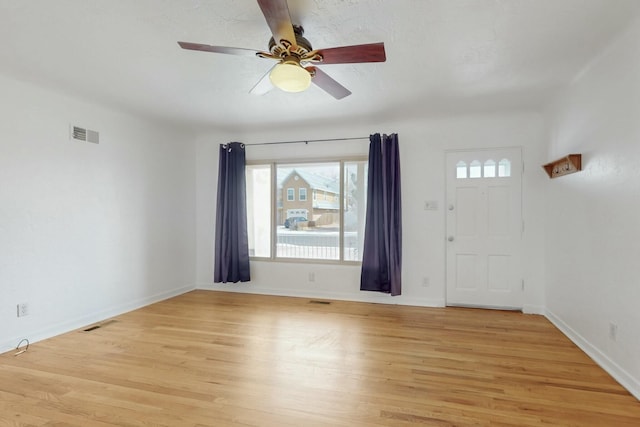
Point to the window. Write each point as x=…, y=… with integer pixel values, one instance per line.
x=489, y=169
x=504, y=168
x=461, y=170
x=329, y=227
x=475, y=169
x=258, y=179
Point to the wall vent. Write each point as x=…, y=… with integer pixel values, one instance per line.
x=85, y=135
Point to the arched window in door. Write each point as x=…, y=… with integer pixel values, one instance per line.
x=504, y=168
x=461, y=170
x=489, y=169
x=475, y=169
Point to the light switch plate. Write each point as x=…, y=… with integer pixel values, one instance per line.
x=430, y=205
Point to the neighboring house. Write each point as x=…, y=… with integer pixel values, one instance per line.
x=316, y=195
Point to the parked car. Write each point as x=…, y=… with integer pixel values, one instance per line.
x=293, y=221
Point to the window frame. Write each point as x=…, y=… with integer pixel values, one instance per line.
x=274, y=207
x=300, y=191
x=291, y=194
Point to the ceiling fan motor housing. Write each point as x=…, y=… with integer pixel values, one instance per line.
x=303, y=45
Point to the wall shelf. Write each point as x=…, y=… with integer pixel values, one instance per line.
x=568, y=164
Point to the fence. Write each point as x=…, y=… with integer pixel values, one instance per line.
x=310, y=245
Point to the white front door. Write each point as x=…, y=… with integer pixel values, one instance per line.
x=484, y=228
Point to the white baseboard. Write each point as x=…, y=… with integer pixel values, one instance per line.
x=618, y=373
x=533, y=309
x=372, y=297
x=79, y=322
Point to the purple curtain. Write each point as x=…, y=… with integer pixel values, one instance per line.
x=382, y=256
x=232, y=242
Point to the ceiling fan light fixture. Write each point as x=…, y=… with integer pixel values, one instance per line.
x=289, y=76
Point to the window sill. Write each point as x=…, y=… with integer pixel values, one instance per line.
x=305, y=261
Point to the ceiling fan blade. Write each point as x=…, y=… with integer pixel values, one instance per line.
x=326, y=83
x=264, y=84
x=373, y=52
x=276, y=12
x=218, y=49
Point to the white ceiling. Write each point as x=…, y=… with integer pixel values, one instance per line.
x=443, y=56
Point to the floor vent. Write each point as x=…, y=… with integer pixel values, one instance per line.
x=99, y=325
x=315, y=301
x=84, y=135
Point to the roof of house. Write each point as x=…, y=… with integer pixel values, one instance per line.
x=325, y=204
x=315, y=181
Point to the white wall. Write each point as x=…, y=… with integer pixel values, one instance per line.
x=422, y=149
x=88, y=231
x=593, y=238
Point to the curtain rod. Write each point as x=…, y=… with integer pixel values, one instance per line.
x=306, y=141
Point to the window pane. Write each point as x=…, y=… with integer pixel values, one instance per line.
x=461, y=170
x=290, y=194
x=259, y=210
x=490, y=169
x=475, y=169
x=504, y=168
x=303, y=194
x=309, y=228
x=355, y=191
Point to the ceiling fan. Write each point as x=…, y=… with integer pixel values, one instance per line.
x=296, y=69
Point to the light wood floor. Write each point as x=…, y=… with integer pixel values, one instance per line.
x=216, y=359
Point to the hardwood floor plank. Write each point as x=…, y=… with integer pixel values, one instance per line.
x=223, y=359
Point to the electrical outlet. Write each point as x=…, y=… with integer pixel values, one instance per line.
x=312, y=276
x=613, y=331
x=23, y=309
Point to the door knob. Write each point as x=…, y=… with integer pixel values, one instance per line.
x=450, y=207
x=450, y=238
